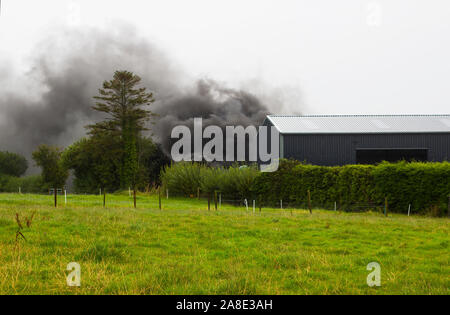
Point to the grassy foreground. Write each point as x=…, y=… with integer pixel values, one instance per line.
x=185, y=249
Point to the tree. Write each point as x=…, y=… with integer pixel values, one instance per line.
x=93, y=169
x=124, y=103
x=12, y=164
x=48, y=158
x=95, y=164
x=152, y=160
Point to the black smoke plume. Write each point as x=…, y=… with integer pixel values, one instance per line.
x=52, y=102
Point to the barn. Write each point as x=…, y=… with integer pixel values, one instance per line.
x=368, y=139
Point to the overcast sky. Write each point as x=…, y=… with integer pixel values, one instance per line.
x=326, y=56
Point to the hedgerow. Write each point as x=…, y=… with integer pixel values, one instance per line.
x=424, y=186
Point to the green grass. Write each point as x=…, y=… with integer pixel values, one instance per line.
x=185, y=249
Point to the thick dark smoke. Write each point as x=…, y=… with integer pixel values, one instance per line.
x=52, y=103
x=215, y=104
x=67, y=70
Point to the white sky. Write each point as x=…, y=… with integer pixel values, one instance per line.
x=330, y=57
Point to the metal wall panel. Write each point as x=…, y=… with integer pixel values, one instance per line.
x=340, y=149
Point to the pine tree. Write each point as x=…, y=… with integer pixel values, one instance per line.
x=124, y=103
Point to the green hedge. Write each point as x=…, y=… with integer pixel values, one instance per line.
x=425, y=186
x=184, y=179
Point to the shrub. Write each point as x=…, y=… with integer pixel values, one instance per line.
x=423, y=185
x=355, y=184
x=182, y=178
x=29, y=184
x=210, y=179
x=426, y=186
x=320, y=181
x=12, y=164
x=237, y=183
x=282, y=184
x=185, y=178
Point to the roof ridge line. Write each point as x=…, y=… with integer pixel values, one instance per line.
x=379, y=115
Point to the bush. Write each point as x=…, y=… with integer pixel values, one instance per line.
x=12, y=164
x=182, y=178
x=236, y=183
x=356, y=185
x=185, y=178
x=210, y=179
x=284, y=184
x=426, y=186
x=29, y=184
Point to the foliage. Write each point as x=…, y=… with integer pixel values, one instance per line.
x=29, y=184
x=49, y=159
x=237, y=182
x=12, y=164
x=93, y=169
x=355, y=184
x=234, y=182
x=426, y=186
x=182, y=178
x=423, y=185
x=122, y=101
x=210, y=179
x=271, y=187
x=151, y=161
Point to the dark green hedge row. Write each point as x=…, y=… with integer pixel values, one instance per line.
x=423, y=185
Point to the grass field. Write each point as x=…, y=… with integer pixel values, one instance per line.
x=184, y=249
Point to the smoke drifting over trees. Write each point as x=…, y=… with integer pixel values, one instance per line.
x=52, y=103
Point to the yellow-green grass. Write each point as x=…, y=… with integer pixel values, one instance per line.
x=184, y=249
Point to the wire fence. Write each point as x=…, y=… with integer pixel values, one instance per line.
x=166, y=200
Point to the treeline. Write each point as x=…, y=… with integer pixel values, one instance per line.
x=424, y=186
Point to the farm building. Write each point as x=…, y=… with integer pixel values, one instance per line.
x=340, y=140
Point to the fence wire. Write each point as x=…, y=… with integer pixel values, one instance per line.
x=165, y=199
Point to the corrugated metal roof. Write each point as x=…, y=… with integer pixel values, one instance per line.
x=361, y=124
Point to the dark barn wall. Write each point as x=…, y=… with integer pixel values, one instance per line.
x=340, y=149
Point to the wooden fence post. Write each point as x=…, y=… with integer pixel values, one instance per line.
x=159, y=197
x=198, y=192
x=215, y=199
x=56, y=197
x=134, y=197
x=385, y=206
x=209, y=201
x=448, y=210
x=309, y=201
x=104, y=198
